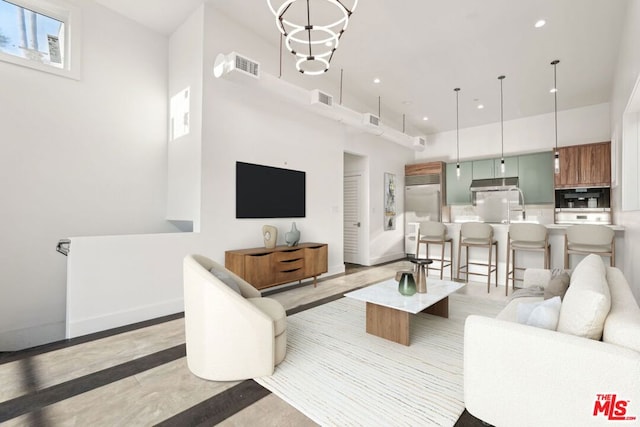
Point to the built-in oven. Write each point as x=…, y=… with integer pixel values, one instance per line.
x=583, y=205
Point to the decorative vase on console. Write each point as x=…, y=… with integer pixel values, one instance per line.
x=270, y=234
x=292, y=237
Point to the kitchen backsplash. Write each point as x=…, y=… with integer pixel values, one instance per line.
x=543, y=214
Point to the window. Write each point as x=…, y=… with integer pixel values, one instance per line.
x=40, y=34
x=179, y=113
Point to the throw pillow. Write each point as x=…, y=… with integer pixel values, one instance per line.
x=226, y=278
x=543, y=314
x=587, y=302
x=531, y=291
x=557, y=286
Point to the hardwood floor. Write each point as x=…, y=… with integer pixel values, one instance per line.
x=137, y=375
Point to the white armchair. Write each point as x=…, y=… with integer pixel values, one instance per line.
x=230, y=335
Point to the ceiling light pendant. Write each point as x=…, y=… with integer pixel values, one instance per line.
x=502, y=167
x=457, y=90
x=556, y=157
x=312, y=44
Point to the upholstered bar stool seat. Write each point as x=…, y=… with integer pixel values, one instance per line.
x=584, y=239
x=525, y=237
x=435, y=233
x=478, y=235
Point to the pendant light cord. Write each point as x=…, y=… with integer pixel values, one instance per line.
x=457, y=128
x=555, y=100
x=501, y=78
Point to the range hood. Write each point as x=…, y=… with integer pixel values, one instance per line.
x=494, y=184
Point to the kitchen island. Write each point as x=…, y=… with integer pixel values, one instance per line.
x=525, y=259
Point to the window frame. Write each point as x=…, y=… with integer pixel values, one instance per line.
x=71, y=17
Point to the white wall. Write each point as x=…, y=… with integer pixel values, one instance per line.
x=77, y=158
x=185, y=70
x=527, y=135
x=240, y=121
x=627, y=73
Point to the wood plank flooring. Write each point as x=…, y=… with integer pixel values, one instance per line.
x=137, y=375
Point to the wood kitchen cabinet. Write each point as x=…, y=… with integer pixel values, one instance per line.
x=586, y=165
x=424, y=168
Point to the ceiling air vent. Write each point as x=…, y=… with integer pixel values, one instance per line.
x=318, y=97
x=234, y=64
x=371, y=120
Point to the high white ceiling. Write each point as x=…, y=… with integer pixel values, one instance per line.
x=422, y=49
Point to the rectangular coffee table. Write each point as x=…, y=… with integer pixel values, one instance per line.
x=388, y=311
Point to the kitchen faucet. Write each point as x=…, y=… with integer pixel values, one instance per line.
x=520, y=197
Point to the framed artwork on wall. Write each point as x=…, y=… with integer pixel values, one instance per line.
x=389, y=201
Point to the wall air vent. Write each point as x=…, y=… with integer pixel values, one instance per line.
x=235, y=65
x=318, y=97
x=371, y=120
x=419, y=141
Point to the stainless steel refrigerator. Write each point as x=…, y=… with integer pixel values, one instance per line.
x=422, y=202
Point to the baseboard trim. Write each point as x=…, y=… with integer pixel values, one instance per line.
x=114, y=320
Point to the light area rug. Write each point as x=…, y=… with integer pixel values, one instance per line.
x=338, y=375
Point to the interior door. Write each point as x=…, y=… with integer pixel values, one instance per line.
x=352, y=218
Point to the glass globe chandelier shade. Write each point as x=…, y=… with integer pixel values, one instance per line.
x=313, y=43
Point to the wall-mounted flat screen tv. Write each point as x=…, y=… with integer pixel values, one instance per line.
x=269, y=192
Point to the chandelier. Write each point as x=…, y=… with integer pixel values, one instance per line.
x=313, y=44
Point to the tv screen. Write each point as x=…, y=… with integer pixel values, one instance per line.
x=269, y=192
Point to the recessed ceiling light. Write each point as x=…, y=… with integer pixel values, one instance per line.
x=376, y=80
x=425, y=118
x=480, y=106
x=540, y=23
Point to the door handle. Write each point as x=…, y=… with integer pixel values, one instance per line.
x=357, y=224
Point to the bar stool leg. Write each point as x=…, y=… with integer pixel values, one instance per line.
x=451, y=259
x=442, y=259
x=496, y=269
x=459, y=256
x=489, y=270
x=506, y=282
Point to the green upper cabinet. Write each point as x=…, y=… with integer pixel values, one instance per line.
x=511, y=167
x=490, y=168
x=483, y=169
x=458, y=188
x=536, y=177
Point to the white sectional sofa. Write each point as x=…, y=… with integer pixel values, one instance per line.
x=586, y=372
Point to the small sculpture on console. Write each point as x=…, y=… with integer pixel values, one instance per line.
x=270, y=235
x=292, y=237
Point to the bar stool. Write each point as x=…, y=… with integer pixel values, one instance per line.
x=587, y=239
x=477, y=235
x=525, y=237
x=435, y=233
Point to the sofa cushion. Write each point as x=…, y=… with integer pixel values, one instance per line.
x=557, y=286
x=622, y=326
x=542, y=314
x=510, y=312
x=587, y=301
x=225, y=277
